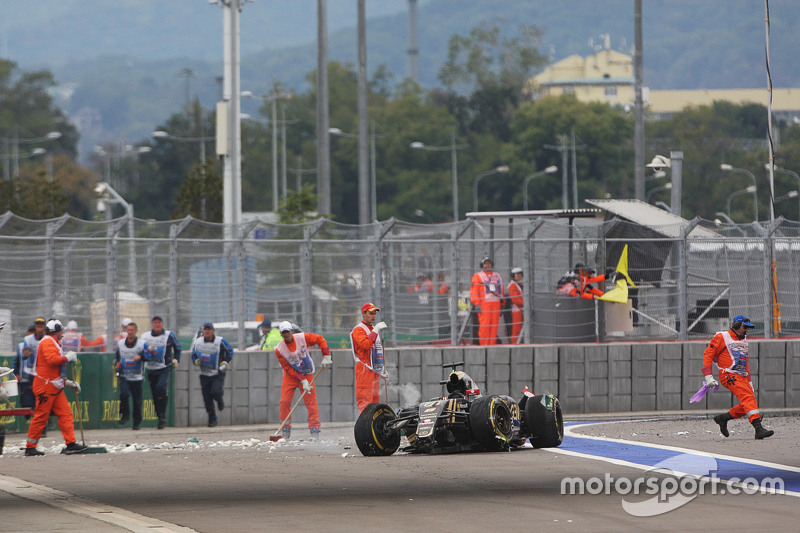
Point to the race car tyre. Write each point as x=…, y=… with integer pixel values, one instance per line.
x=491, y=423
x=373, y=438
x=544, y=421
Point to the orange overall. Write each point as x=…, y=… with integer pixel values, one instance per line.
x=295, y=352
x=734, y=371
x=49, y=397
x=517, y=300
x=368, y=381
x=487, y=291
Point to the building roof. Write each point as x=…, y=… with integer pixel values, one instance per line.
x=652, y=217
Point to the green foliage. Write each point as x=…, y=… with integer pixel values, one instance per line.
x=32, y=196
x=200, y=194
x=297, y=206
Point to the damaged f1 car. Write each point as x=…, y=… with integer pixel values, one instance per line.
x=463, y=420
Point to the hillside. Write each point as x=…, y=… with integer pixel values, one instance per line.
x=120, y=62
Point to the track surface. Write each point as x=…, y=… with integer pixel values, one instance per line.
x=234, y=479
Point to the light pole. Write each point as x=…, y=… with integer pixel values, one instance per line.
x=122, y=151
x=107, y=196
x=750, y=189
x=675, y=163
x=502, y=169
x=729, y=168
x=373, y=177
x=11, y=149
x=161, y=134
x=784, y=171
x=453, y=147
x=725, y=218
x=274, y=123
x=552, y=169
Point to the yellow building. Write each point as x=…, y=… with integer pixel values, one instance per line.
x=607, y=76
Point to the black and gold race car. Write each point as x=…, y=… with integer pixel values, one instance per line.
x=463, y=420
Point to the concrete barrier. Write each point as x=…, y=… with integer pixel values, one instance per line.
x=587, y=378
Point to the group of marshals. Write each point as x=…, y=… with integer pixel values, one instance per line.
x=727, y=349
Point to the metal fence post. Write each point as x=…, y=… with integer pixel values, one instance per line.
x=683, y=276
x=306, y=278
x=770, y=313
x=111, y=282
x=174, y=231
x=530, y=261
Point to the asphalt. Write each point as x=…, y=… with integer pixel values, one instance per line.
x=233, y=478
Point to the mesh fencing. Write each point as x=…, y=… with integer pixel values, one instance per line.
x=690, y=279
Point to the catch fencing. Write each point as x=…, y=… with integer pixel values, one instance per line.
x=690, y=278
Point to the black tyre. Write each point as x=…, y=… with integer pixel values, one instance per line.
x=372, y=436
x=491, y=423
x=544, y=421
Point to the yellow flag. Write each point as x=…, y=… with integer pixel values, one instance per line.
x=618, y=294
x=622, y=266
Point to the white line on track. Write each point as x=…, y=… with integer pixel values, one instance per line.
x=83, y=507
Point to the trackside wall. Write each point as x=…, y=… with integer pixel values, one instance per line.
x=587, y=378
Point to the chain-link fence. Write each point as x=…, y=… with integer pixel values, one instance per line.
x=690, y=278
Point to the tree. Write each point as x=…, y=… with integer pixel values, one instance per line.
x=604, y=165
x=297, y=205
x=200, y=194
x=487, y=76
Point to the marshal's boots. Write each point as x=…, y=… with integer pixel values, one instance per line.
x=761, y=431
x=722, y=420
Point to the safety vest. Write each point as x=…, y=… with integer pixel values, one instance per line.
x=271, y=340
x=157, y=346
x=493, y=286
x=71, y=341
x=300, y=358
x=28, y=366
x=739, y=354
x=208, y=353
x=376, y=353
x=130, y=369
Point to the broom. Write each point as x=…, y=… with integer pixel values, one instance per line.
x=91, y=449
x=277, y=435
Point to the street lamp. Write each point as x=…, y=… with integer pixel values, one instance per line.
x=107, y=196
x=453, y=164
x=552, y=169
x=161, y=134
x=675, y=165
x=750, y=189
x=730, y=168
x=373, y=177
x=502, y=169
x=784, y=171
x=13, y=154
x=790, y=194
x=123, y=150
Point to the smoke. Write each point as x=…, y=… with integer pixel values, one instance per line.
x=409, y=393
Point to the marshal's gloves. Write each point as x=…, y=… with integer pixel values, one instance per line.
x=223, y=367
x=174, y=363
x=385, y=375
x=72, y=385
x=306, y=386
x=380, y=326
x=71, y=356
x=710, y=381
x=197, y=362
x=326, y=361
